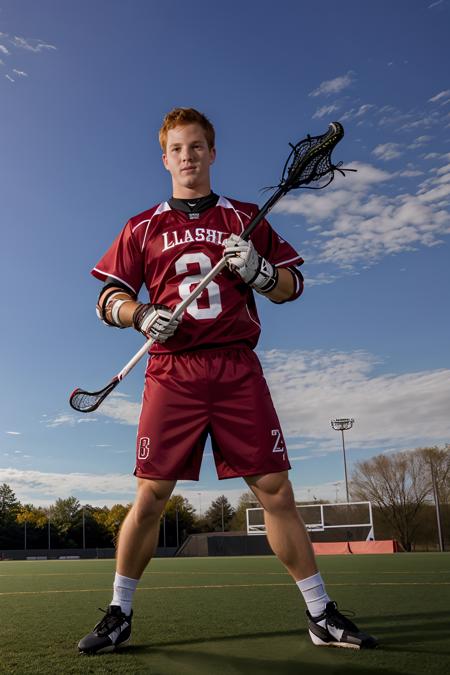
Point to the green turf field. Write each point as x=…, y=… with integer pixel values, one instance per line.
x=213, y=616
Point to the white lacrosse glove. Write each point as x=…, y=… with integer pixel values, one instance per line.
x=243, y=259
x=155, y=321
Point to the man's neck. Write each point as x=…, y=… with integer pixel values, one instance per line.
x=194, y=205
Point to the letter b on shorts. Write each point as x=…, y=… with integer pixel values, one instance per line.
x=144, y=447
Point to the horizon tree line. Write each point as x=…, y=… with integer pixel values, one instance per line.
x=402, y=487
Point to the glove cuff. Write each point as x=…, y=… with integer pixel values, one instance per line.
x=266, y=278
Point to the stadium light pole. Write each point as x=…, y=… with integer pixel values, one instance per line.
x=84, y=529
x=343, y=424
x=437, y=507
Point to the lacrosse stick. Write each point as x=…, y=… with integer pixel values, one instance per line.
x=308, y=162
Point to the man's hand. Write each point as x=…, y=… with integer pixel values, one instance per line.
x=155, y=321
x=243, y=259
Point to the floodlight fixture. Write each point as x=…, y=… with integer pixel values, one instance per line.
x=343, y=424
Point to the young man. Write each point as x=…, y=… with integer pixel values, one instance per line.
x=203, y=376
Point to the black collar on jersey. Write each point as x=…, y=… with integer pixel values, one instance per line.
x=193, y=207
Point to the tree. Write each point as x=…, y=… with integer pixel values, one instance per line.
x=111, y=519
x=33, y=515
x=219, y=514
x=34, y=519
x=438, y=459
x=247, y=500
x=179, y=520
x=65, y=515
x=10, y=534
x=9, y=505
x=399, y=485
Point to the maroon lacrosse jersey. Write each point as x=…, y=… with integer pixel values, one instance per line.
x=169, y=252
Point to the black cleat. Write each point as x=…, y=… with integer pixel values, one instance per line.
x=336, y=630
x=113, y=630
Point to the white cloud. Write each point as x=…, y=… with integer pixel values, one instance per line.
x=333, y=86
x=20, y=73
x=38, y=486
x=443, y=170
x=30, y=44
x=363, y=109
x=419, y=142
x=357, y=113
x=392, y=411
x=325, y=110
x=388, y=151
x=3, y=50
x=117, y=407
x=311, y=388
x=354, y=224
x=8, y=77
x=13, y=433
x=437, y=193
x=442, y=95
x=410, y=173
x=67, y=420
x=421, y=120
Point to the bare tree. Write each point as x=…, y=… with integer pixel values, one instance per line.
x=439, y=460
x=399, y=485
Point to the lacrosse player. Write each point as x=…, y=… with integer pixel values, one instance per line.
x=203, y=376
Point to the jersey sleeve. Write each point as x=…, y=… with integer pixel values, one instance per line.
x=123, y=261
x=273, y=248
x=280, y=253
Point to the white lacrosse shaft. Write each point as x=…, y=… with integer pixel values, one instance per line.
x=177, y=313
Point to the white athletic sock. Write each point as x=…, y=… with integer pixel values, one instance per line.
x=314, y=594
x=124, y=588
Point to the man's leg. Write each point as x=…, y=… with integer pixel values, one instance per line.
x=286, y=532
x=138, y=539
x=290, y=542
x=139, y=533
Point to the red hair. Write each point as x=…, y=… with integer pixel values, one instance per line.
x=181, y=117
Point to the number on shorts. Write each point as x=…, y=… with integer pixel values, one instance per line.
x=276, y=447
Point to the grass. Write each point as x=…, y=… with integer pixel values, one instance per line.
x=225, y=616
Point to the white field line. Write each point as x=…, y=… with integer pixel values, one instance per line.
x=220, y=586
x=220, y=573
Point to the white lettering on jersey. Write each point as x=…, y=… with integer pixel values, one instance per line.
x=212, y=291
x=174, y=238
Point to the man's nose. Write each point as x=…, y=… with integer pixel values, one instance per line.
x=186, y=154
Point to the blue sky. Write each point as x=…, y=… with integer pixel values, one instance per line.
x=84, y=87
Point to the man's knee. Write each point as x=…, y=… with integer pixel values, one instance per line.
x=151, y=498
x=274, y=491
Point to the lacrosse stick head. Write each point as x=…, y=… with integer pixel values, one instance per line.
x=310, y=159
x=86, y=401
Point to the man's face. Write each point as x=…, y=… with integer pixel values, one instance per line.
x=188, y=158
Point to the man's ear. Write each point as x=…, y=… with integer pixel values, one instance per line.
x=164, y=161
x=212, y=156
